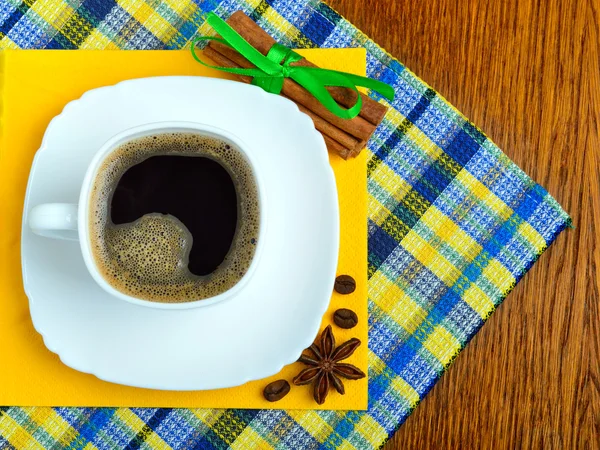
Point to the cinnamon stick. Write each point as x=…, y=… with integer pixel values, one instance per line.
x=371, y=110
x=333, y=143
x=330, y=130
x=346, y=137
x=336, y=147
x=224, y=61
x=357, y=127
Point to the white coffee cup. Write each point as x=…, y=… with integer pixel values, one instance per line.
x=71, y=221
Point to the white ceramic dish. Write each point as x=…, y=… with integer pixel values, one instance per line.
x=251, y=335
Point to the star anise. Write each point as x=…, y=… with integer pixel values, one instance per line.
x=325, y=368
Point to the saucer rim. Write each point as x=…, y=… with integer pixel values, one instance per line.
x=257, y=374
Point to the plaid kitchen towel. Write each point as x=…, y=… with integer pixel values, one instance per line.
x=453, y=226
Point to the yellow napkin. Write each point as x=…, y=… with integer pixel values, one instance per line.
x=34, y=87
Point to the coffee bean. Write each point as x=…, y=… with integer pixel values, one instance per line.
x=345, y=284
x=345, y=318
x=276, y=390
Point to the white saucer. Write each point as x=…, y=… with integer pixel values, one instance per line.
x=251, y=336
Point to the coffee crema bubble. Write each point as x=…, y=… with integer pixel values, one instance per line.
x=174, y=217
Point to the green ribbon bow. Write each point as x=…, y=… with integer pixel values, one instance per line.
x=272, y=69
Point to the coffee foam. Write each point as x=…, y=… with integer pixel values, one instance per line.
x=148, y=258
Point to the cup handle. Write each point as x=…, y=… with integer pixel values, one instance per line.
x=55, y=220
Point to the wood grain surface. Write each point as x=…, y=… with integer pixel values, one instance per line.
x=527, y=73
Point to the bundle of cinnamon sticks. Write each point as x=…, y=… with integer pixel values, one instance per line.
x=347, y=137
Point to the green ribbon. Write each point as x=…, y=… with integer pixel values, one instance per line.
x=272, y=69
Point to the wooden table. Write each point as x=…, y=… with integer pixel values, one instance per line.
x=527, y=72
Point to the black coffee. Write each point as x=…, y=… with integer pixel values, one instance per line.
x=196, y=190
x=174, y=217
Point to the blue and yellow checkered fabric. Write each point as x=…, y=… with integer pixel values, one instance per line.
x=453, y=226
